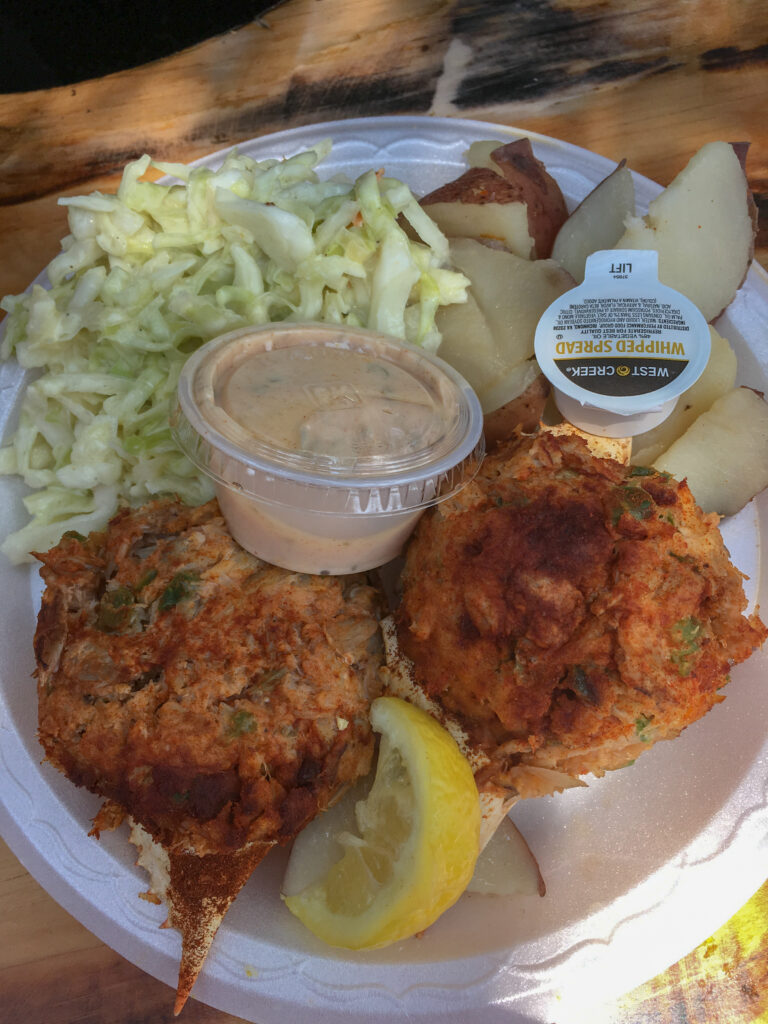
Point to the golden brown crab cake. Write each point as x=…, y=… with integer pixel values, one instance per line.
x=219, y=701
x=567, y=611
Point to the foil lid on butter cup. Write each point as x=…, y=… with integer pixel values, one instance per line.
x=621, y=348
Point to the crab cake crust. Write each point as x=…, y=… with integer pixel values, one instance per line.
x=569, y=610
x=219, y=700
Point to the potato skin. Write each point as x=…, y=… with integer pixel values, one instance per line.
x=521, y=413
x=741, y=149
x=478, y=185
x=521, y=178
x=540, y=192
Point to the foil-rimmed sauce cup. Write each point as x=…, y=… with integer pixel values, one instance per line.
x=621, y=348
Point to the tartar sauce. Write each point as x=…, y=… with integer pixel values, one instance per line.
x=325, y=443
x=330, y=401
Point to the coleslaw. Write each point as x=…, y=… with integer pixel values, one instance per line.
x=146, y=275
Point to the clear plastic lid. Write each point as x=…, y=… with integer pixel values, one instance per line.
x=328, y=419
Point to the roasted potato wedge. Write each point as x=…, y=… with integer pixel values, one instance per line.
x=511, y=293
x=719, y=376
x=597, y=222
x=511, y=199
x=724, y=454
x=703, y=227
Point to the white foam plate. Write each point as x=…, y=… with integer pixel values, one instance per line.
x=640, y=867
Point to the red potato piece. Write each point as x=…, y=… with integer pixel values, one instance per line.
x=724, y=453
x=478, y=185
x=468, y=343
x=511, y=294
x=703, y=228
x=540, y=192
x=479, y=153
x=512, y=178
x=719, y=377
x=481, y=204
x=597, y=222
x=524, y=411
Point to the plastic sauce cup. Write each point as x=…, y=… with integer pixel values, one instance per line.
x=325, y=443
x=621, y=348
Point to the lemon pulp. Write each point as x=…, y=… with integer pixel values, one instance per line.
x=416, y=842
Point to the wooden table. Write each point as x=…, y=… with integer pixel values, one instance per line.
x=651, y=81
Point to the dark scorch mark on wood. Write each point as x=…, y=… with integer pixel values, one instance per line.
x=725, y=58
x=53, y=181
x=530, y=49
x=302, y=103
x=314, y=102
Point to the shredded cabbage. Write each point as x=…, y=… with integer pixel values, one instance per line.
x=147, y=275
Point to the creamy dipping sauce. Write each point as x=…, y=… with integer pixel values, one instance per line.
x=328, y=547
x=330, y=401
x=325, y=443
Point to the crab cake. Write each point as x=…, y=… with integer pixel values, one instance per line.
x=218, y=701
x=567, y=611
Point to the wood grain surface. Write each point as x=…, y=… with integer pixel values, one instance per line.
x=649, y=80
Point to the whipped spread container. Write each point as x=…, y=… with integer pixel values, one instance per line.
x=621, y=348
x=325, y=442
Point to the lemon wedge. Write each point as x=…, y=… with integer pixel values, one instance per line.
x=415, y=843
